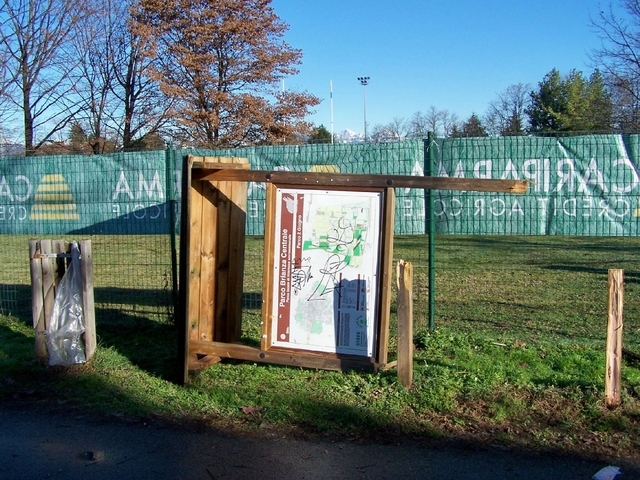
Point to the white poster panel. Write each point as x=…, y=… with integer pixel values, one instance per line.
x=326, y=270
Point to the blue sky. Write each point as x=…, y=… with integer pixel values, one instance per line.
x=455, y=55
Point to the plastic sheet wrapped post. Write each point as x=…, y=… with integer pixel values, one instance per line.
x=62, y=301
x=66, y=326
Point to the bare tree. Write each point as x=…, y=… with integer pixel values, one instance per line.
x=398, y=127
x=5, y=96
x=433, y=119
x=393, y=131
x=35, y=36
x=145, y=110
x=417, y=126
x=121, y=104
x=378, y=134
x=94, y=51
x=439, y=122
x=507, y=114
x=450, y=121
x=618, y=58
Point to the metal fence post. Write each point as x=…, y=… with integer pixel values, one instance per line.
x=429, y=160
x=171, y=199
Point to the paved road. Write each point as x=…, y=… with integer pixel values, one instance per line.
x=40, y=445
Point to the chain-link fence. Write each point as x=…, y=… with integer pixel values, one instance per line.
x=579, y=218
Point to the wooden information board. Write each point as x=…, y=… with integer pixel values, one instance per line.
x=325, y=270
x=328, y=254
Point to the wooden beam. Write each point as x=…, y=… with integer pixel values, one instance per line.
x=405, y=323
x=614, y=339
x=268, y=267
x=212, y=163
x=198, y=363
x=88, y=304
x=37, y=300
x=278, y=357
x=361, y=180
x=386, y=270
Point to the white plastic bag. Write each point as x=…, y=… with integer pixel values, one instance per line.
x=66, y=326
x=607, y=473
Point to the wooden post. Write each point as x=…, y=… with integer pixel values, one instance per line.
x=47, y=264
x=614, y=338
x=88, y=307
x=405, y=323
x=37, y=301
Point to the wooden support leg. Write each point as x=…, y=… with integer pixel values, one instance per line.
x=614, y=339
x=405, y=323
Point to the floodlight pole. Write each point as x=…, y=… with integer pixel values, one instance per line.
x=364, y=81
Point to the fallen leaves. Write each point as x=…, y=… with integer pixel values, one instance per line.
x=251, y=410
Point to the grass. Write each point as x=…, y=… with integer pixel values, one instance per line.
x=517, y=357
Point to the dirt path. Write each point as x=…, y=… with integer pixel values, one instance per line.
x=41, y=445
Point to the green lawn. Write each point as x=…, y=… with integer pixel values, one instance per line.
x=517, y=356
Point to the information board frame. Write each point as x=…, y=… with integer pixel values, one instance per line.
x=325, y=276
x=333, y=335
x=213, y=219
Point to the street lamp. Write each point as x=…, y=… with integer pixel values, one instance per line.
x=364, y=81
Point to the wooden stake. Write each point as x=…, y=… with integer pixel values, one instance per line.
x=614, y=338
x=37, y=301
x=405, y=323
x=88, y=306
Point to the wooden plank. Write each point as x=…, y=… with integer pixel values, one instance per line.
x=88, y=305
x=612, y=383
x=48, y=281
x=215, y=163
x=194, y=256
x=405, y=323
x=385, y=272
x=183, y=318
x=221, y=317
x=207, y=261
x=321, y=179
x=37, y=300
x=198, y=363
x=282, y=357
x=390, y=365
x=269, y=265
x=237, y=227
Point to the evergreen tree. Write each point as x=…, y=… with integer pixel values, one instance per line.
x=601, y=107
x=78, y=140
x=472, y=127
x=571, y=104
x=320, y=135
x=547, y=104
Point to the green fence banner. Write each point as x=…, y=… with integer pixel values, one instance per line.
x=583, y=185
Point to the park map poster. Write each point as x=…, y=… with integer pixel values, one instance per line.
x=326, y=270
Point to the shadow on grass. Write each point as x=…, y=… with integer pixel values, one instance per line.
x=148, y=344
x=82, y=389
x=504, y=243
x=138, y=323
x=17, y=302
x=140, y=300
x=629, y=276
x=18, y=361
